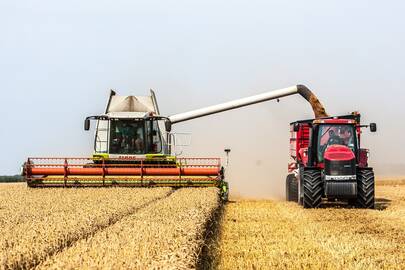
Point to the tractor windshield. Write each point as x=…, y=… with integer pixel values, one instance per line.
x=135, y=137
x=336, y=134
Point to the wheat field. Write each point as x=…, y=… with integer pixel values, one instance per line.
x=164, y=228
x=282, y=235
x=102, y=228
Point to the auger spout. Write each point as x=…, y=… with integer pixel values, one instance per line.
x=317, y=107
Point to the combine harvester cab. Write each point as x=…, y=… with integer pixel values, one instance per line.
x=328, y=162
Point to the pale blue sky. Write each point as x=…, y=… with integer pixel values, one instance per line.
x=59, y=58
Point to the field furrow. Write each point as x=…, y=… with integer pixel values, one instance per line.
x=166, y=234
x=36, y=223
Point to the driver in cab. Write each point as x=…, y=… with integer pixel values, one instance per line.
x=334, y=138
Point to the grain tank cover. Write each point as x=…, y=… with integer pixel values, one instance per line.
x=131, y=104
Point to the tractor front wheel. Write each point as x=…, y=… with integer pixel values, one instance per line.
x=365, y=189
x=313, y=188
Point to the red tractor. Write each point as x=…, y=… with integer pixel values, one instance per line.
x=328, y=162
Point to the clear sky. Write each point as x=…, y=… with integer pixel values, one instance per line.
x=58, y=59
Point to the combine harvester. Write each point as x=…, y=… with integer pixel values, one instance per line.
x=134, y=147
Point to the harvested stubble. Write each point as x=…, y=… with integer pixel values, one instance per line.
x=36, y=223
x=273, y=235
x=166, y=234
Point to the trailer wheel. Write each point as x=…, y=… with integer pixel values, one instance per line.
x=291, y=188
x=287, y=188
x=365, y=189
x=312, y=188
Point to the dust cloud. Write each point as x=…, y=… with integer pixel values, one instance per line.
x=259, y=144
x=258, y=137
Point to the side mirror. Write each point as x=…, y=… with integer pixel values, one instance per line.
x=168, y=125
x=87, y=124
x=373, y=127
x=296, y=127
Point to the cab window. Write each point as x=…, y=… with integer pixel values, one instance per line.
x=154, y=137
x=335, y=135
x=127, y=137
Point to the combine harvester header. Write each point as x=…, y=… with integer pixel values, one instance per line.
x=134, y=146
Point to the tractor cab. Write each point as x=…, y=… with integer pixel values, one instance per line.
x=334, y=136
x=335, y=148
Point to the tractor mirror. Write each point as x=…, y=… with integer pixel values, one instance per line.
x=87, y=124
x=373, y=127
x=168, y=125
x=296, y=127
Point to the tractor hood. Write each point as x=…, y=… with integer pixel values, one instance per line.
x=340, y=163
x=339, y=153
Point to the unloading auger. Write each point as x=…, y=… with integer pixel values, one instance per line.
x=134, y=146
